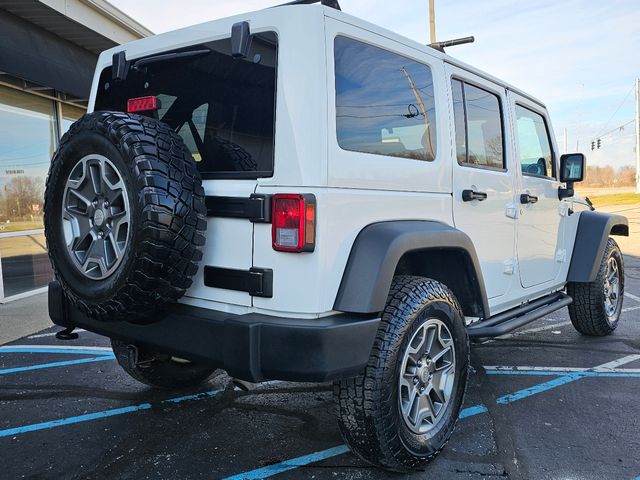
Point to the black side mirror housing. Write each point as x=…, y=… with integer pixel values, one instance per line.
x=572, y=167
x=240, y=40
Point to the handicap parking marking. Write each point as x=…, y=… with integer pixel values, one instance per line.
x=66, y=363
x=12, y=432
x=561, y=379
x=103, y=354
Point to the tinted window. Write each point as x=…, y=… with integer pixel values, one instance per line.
x=534, y=144
x=224, y=108
x=478, y=124
x=384, y=102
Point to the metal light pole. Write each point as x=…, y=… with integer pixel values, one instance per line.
x=638, y=135
x=432, y=21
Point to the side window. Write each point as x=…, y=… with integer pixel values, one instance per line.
x=384, y=102
x=478, y=123
x=459, y=119
x=534, y=145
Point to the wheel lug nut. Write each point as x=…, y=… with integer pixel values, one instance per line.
x=421, y=389
x=419, y=363
x=106, y=204
x=415, y=380
x=101, y=234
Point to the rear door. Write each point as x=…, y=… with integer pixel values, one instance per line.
x=224, y=109
x=539, y=224
x=483, y=180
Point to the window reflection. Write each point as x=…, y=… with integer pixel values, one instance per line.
x=25, y=264
x=384, y=102
x=27, y=143
x=69, y=115
x=478, y=124
x=533, y=143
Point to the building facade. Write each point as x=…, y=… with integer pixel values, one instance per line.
x=48, y=51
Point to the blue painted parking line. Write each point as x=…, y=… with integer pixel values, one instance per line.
x=292, y=464
x=471, y=411
x=552, y=373
x=562, y=379
x=9, y=432
x=41, y=366
x=541, y=387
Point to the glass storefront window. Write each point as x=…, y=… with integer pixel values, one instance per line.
x=69, y=116
x=28, y=139
x=25, y=264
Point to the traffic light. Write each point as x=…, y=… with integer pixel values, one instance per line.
x=593, y=145
x=598, y=144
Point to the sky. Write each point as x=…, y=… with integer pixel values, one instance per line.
x=580, y=57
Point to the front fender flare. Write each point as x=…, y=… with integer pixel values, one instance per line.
x=592, y=234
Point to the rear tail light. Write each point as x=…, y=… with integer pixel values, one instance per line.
x=293, y=222
x=142, y=104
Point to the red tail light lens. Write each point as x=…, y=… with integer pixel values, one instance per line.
x=142, y=104
x=293, y=219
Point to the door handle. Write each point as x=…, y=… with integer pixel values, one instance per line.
x=526, y=198
x=469, y=195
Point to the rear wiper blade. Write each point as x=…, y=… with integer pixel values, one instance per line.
x=167, y=57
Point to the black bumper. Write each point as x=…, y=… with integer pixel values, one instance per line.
x=251, y=347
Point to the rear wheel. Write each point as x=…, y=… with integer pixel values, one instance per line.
x=158, y=369
x=597, y=305
x=402, y=409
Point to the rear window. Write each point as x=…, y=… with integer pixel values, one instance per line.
x=223, y=108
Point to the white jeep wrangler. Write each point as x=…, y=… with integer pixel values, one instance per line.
x=369, y=204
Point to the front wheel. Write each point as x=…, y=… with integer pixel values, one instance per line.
x=402, y=409
x=597, y=305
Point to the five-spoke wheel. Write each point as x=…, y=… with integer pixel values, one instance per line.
x=427, y=376
x=95, y=216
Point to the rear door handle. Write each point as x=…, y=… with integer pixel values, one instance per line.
x=469, y=195
x=526, y=198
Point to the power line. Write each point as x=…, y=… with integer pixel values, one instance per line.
x=616, y=111
x=614, y=129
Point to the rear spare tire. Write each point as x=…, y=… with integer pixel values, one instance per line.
x=124, y=215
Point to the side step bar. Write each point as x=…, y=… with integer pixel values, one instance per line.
x=517, y=317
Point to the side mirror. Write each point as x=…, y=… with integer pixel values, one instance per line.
x=240, y=40
x=572, y=167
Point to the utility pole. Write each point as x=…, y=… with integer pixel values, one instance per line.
x=566, y=141
x=637, y=135
x=432, y=21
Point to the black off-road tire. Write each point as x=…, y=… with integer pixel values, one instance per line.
x=167, y=215
x=240, y=159
x=368, y=405
x=587, y=311
x=159, y=370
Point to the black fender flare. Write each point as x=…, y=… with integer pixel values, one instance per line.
x=379, y=247
x=592, y=234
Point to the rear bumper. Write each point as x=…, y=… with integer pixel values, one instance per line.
x=251, y=347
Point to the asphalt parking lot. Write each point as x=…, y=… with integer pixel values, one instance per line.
x=543, y=402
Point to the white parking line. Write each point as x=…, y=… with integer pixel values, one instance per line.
x=629, y=309
x=51, y=334
x=632, y=296
x=56, y=347
x=609, y=367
